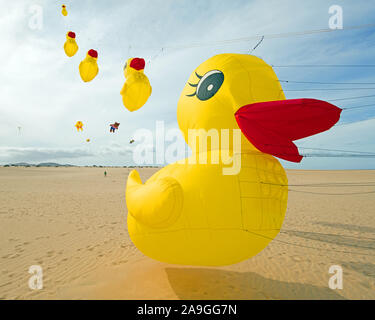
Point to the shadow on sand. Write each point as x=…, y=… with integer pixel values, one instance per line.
x=337, y=239
x=221, y=284
x=349, y=227
x=367, y=269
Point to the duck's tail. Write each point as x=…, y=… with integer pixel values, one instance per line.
x=157, y=203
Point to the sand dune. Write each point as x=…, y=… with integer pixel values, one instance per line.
x=72, y=222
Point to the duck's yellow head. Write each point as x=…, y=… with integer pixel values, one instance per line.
x=220, y=86
x=232, y=91
x=134, y=65
x=92, y=54
x=70, y=35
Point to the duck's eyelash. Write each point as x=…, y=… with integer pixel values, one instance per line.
x=194, y=85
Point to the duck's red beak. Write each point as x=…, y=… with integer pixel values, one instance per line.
x=273, y=126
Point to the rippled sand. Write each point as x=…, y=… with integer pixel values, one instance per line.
x=72, y=222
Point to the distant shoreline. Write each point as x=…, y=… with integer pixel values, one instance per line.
x=57, y=165
x=139, y=167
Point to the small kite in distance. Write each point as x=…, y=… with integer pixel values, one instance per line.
x=114, y=127
x=137, y=88
x=88, y=68
x=70, y=46
x=64, y=11
x=79, y=125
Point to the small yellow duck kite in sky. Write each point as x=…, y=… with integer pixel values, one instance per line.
x=70, y=46
x=88, y=68
x=64, y=11
x=79, y=126
x=137, y=88
x=191, y=212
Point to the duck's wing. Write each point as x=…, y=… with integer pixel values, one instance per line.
x=122, y=92
x=157, y=203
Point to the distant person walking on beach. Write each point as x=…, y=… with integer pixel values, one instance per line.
x=105, y=174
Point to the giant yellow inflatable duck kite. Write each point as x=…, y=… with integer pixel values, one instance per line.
x=198, y=213
x=137, y=88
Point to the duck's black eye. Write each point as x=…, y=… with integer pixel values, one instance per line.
x=209, y=84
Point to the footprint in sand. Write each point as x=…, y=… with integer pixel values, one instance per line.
x=19, y=249
x=50, y=253
x=296, y=258
x=42, y=237
x=116, y=263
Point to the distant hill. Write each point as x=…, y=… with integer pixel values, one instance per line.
x=53, y=164
x=21, y=164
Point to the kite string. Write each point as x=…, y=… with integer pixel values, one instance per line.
x=265, y=36
x=160, y=52
x=325, y=184
x=325, y=149
x=332, y=194
x=319, y=82
x=257, y=45
x=305, y=246
x=321, y=185
x=361, y=154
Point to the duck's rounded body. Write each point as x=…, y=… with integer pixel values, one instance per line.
x=224, y=219
x=70, y=45
x=137, y=88
x=88, y=68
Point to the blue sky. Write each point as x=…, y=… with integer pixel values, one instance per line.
x=41, y=90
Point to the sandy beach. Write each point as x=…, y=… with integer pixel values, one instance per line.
x=72, y=222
